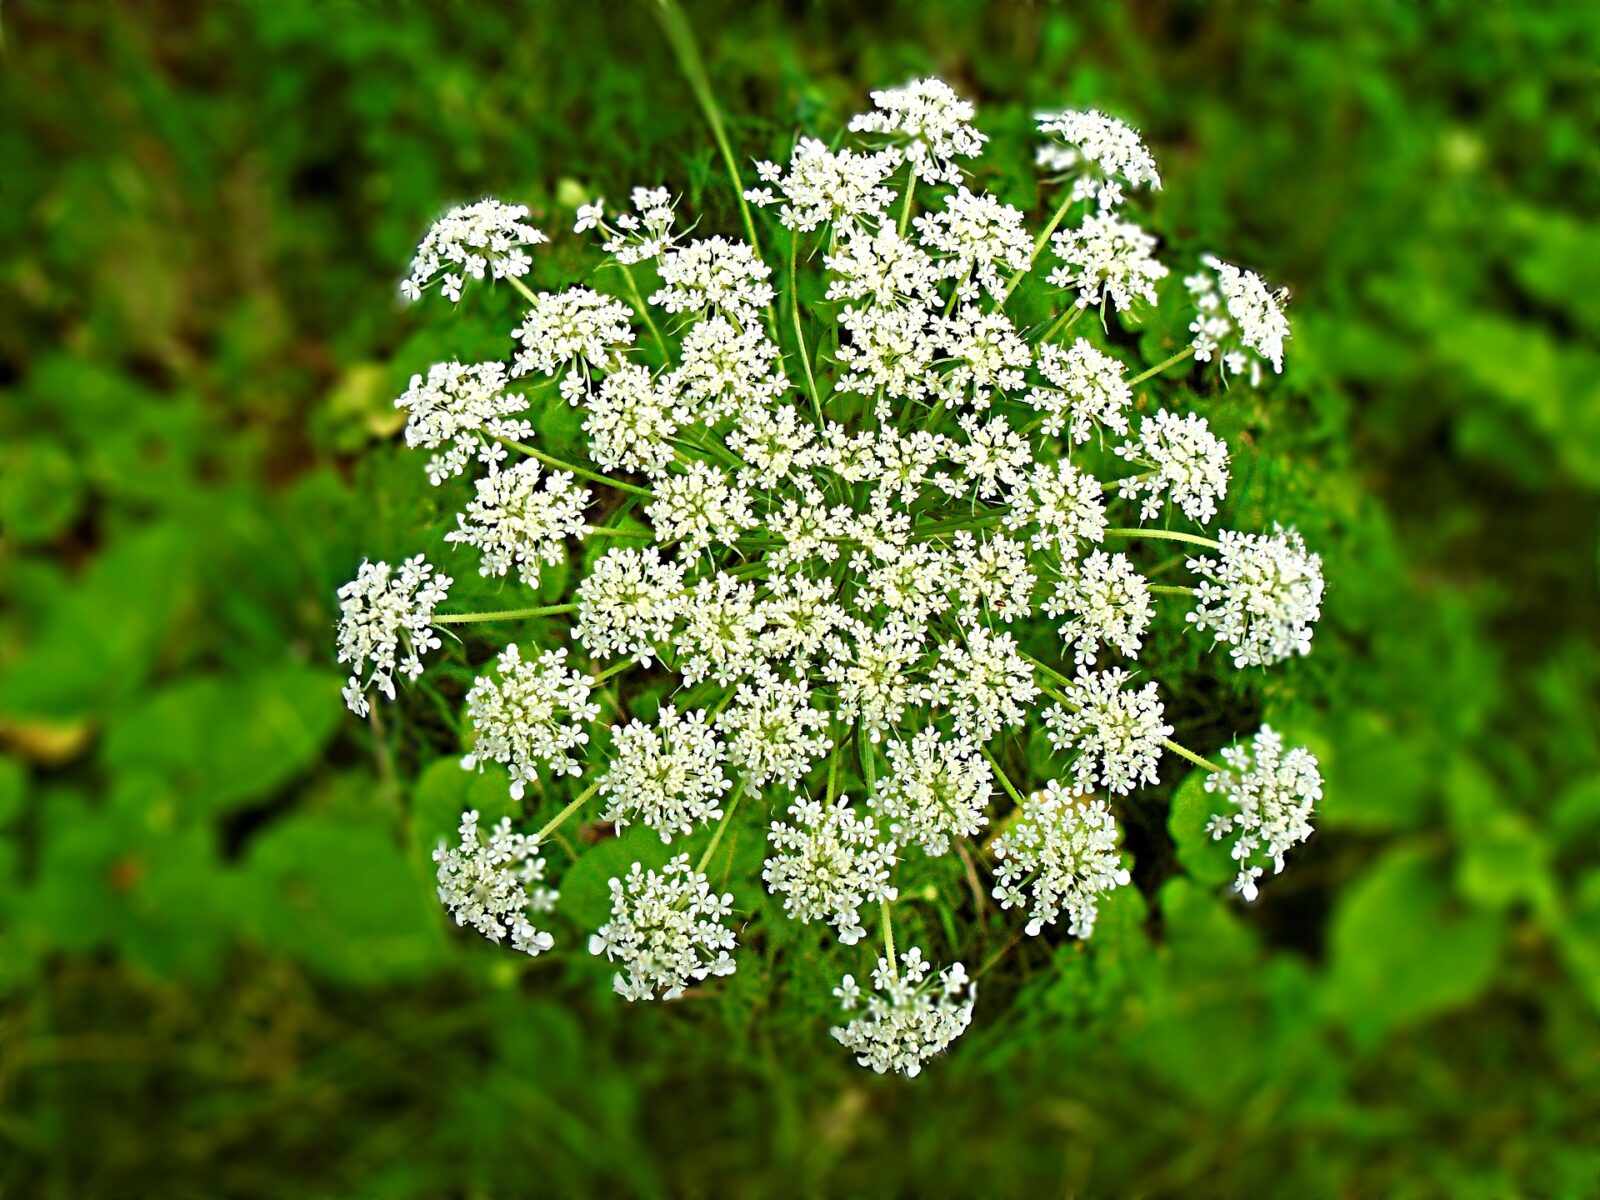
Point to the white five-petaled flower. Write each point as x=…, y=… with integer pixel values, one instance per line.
x=1272, y=794
x=495, y=885
x=1060, y=855
x=666, y=931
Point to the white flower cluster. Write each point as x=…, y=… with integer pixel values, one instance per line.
x=464, y=412
x=493, y=885
x=666, y=931
x=467, y=242
x=514, y=522
x=1064, y=851
x=828, y=864
x=1101, y=152
x=1272, y=793
x=532, y=715
x=1261, y=595
x=1237, y=312
x=909, y=1017
x=386, y=619
x=858, y=541
x=670, y=777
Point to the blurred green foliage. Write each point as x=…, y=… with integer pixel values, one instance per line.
x=222, y=972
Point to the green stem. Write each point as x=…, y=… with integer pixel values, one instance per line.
x=1185, y=752
x=644, y=311
x=508, y=614
x=722, y=825
x=1167, y=589
x=1005, y=782
x=676, y=26
x=608, y=531
x=911, y=190
x=1038, y=245
x=1065, y=321
x=527, y=293
x=888, y=939
x=799, y=330
x=580, y=472
x=1167, y=535
x=1161, y=366
x=612, y=671
x=566, y=812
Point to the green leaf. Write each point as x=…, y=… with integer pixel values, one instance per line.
x=229, y=741
x=1205, y=859
x=1402, y=951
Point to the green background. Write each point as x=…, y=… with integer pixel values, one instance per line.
x=222, y=972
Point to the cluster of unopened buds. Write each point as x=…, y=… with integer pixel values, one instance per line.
x=873, y=537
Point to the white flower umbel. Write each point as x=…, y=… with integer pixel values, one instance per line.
x=726, y=371
x=533, y=714
x=1261, y=595
x=774, y=735
x=1107, y=258
x=908, y=1017
x=1064, y=506
x=935, y=123
x=978, y=242
x=386, y=620
x=468, y=242
x=628, y=604
x=1237, y=312
x=575, y=328
x=631, y=421
x=1185, y=463
x=1098, y=153
x=494, y=885
x=714, y=275
x=985, y=682
x=1116, y=732
x=666, y=931
x=1063, y=850
x=1272, y=794
x=1087, y=391
x=1105, y=602
x=461, y=412
x=700, y=507
x=828, y=863
x=514, y=522
x=669, y=776
x=636, y=236
x=937, y=790
x=828, y=187
x=839, y=487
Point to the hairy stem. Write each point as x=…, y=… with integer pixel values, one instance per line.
x=555, y=821
x=1161, y=366
x=507, y=614
x=1166, y=535
x=722, y=826
x=1038, y=245
x=580, y=472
